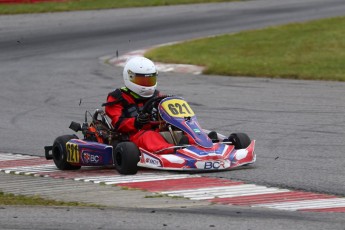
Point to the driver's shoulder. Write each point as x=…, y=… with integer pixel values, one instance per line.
x=115, y=97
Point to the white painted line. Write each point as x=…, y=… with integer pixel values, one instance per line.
x=11, y=156
x=224, y=191
x=203, y=189
x=220, y=188
x=31, y=170
x=109, y=177
x=306, y=204
x=146, y=178
x=268, y=191
x=161, y=67
x=116, y=179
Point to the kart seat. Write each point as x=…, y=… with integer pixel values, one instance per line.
x=168, y=136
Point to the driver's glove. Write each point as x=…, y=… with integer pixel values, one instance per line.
x=141, y=120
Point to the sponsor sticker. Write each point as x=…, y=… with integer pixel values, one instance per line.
x=91, y=158
x=209, y=165
x=197, y=130
x=152, y=161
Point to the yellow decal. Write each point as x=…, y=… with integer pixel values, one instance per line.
x=177, y=108
x=72, y=152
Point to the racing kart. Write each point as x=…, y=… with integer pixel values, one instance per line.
x=173, y=118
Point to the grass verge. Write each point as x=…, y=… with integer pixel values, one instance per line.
x=73, y=5
x=313, y=50
x=11, y=199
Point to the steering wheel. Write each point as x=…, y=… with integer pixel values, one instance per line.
x=153, y=103
x=151, y=107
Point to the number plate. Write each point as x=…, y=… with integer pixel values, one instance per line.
x=178, y=108
x=72, y=152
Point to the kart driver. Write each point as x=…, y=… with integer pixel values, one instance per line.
x=124, y=105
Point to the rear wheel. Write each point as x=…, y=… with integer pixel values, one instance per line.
x=60, y=153
x=240, y=140
x=126, y=158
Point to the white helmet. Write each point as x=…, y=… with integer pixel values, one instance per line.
x=140, y=76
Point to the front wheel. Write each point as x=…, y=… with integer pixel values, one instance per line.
x=240, y=140
x=60, y=153
x=126, y=158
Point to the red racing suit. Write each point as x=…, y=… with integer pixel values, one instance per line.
x=122, y=107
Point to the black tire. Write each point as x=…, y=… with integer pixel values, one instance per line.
x=126, y=158
x=60, y=153
x=240, y=140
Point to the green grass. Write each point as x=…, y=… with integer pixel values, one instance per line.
x=164, y=196
x=11, y=199
x=74, y=5
x=313, y=50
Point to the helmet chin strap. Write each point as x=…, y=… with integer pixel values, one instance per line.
x=135, y=95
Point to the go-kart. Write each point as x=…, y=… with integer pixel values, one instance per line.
x=173, y=118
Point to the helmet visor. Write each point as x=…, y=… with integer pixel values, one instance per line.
x=143, y=79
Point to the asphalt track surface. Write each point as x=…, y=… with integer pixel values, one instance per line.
x=51, y=73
